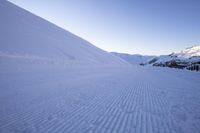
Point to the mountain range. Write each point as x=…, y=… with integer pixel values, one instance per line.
x=134, y=59
x=188, y=58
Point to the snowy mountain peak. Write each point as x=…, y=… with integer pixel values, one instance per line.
x=189, y=52
x=188, y=58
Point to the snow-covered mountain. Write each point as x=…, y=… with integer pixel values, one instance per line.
x=189, y=52
x=135, y=59
x=25, y=35
x=188, y=58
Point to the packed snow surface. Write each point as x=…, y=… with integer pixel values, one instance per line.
x=38, y=98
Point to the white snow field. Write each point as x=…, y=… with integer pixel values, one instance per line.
x=44, y=98
x=52, y=81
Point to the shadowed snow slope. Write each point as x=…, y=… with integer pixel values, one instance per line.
x=26, y=35
x=135, y=59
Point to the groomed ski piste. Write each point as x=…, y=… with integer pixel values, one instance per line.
x=52, y=81
x=50, y=98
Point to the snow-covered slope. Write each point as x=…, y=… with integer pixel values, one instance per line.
x=134, y=59
x=23, y=34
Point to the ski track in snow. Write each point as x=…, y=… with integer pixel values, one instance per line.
x=60, y=99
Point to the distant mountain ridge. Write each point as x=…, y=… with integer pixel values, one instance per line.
x=188, y=58
x=189, y=52
x=135, y=59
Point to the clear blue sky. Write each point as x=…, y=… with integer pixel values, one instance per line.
x=130, y=26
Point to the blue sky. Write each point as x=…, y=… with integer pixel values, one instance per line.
x=150, y=27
